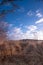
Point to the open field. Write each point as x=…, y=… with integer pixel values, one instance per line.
x=21, y=52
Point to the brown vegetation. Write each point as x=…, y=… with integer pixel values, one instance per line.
x=22, y=52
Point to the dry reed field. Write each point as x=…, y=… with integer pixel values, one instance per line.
x=21, y=52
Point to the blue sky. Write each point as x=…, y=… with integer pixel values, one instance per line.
x=27, y=21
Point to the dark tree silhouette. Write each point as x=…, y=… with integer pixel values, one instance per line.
x=6, y=6
x=9, y=4
x=3, y=31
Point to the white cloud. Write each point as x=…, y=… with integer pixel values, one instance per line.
x=17, y=34
x=39, y=21
x=38, y=13
x=31, y=33
x=30, y=13
x=17, y=30
x=32, y=27
x=40, y=34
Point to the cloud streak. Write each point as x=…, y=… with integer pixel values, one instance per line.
x=38, y=14
x=32, y=27
x=30, y=13
x=39, y=21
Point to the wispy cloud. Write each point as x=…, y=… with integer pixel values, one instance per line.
x=30, y=13
x=38, y=13
x=37, y=10
x=31, y=33
x=40, y=34
x=39, y=21
x=32, y=27
x=15, y=33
